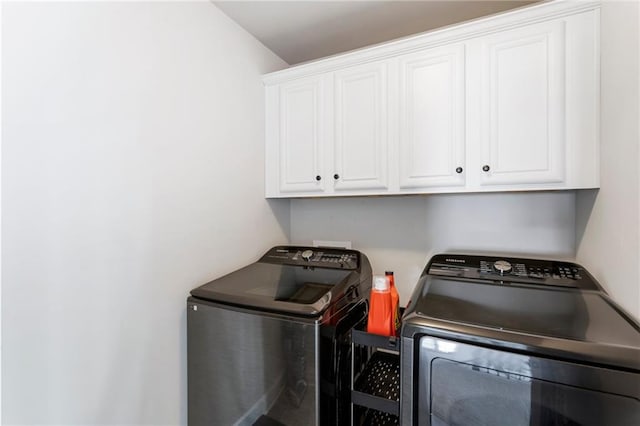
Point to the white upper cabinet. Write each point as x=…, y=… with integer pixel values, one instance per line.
x=360, y=127
x=328, y=134
x=504, y=103
x=522, y=123
x=432, y=118
x=301, y=133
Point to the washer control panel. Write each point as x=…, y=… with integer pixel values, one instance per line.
x=511, y=270
x=321, y=257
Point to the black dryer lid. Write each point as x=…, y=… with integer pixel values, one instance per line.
x=581, y=324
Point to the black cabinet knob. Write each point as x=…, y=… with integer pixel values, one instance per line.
x=486, y=168
x=458, y=169
x=318, y=177
x=336, y=176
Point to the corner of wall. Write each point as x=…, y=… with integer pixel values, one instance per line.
x=1, y=6
x=608, y=219
x=281, y=208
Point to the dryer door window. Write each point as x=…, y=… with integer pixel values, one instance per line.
x=482, y=386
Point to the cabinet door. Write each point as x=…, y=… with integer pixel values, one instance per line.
x=360, y=127
x=301, y=125
x=522, y=107
x=432, y=118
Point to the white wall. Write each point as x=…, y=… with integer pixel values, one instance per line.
x=0, y=214
x=608, y=234
x=402, y=233
x=132, y=171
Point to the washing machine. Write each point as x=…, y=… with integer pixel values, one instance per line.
x=269, y=344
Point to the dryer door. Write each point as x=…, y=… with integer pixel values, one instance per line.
x=465, y=384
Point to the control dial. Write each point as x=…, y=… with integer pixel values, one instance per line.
x=502, y=266
x=306, y=255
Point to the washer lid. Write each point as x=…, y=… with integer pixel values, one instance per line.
x=580, y=322
x=282, y=288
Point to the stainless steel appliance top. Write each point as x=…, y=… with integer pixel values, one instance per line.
x=295, y=280
x=505, y=302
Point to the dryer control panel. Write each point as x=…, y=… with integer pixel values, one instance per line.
x=320, y=257
x=512, y=270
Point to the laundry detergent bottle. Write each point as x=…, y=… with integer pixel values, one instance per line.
x=395, y=302
x=380, y=320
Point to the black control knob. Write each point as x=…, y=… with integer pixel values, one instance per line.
x=306, y=255
x=318, y=177
x=336, y=176
x=502, y=266
x=486, y=168
x=458, y=169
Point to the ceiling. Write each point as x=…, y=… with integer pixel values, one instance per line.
x=301, y=30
